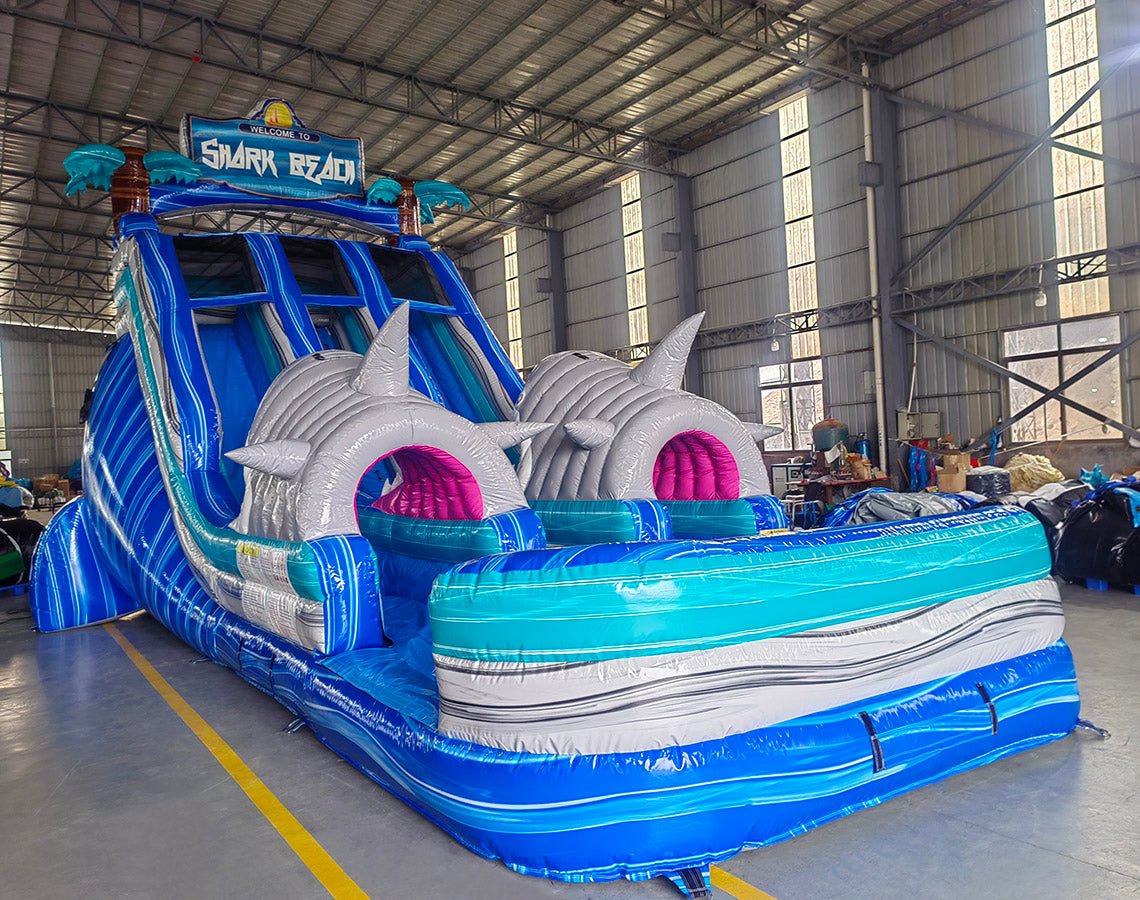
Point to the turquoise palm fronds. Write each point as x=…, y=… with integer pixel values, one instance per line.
x=165, y=167
x=439, y=193
x=384, y=190
x=92, y=166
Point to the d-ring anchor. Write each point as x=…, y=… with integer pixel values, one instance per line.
x=1086, y=725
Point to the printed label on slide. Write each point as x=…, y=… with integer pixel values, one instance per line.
x=265, y=565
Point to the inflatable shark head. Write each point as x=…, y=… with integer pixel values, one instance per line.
x=329, y=418
x=630, y=433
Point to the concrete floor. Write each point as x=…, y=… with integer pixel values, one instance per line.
x=104, y=791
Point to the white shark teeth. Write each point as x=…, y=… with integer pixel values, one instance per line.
x=761, y=432
x=510, y=434
x=384, y=370
x=590, y=433
x=284, y=458
x=665, y=366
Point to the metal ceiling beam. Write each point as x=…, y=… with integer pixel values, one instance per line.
x=940, y=112
x=31, y=300
x=159, y=27
x=785, y=37
x=54, y=275
x=1050, y=273
x=20, y=236
x=1021, y=157
x=936, y=22
x=28, y=313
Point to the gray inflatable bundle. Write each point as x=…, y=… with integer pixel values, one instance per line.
x=630, y=433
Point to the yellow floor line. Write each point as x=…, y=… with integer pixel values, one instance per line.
x=736, y=887
x=324, y=868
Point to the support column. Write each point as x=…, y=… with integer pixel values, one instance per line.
x=888, y=237
x=687, y=270
x=556, y=266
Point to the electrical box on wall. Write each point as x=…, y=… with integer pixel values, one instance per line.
x=916, y=426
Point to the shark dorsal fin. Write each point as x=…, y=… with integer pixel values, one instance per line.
x=384, y=370
x=665, y=366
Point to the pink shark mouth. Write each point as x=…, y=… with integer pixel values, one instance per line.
x=435, y=485
x=695, y=465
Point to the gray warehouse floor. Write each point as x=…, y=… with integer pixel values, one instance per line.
x=105, y=791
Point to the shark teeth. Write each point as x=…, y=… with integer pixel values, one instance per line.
x=284, y=458
x=510, y=434
x=590, y=433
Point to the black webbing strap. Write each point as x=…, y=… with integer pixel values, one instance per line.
x=876, y=747
x=990, y=705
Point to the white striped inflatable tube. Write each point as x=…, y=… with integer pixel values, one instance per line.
x=651, y=702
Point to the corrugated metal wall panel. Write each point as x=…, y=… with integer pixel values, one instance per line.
x=993, y=68
x=595, y=273
x=42, y=442
x=486, y=264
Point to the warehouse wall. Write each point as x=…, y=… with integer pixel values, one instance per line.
x=43, y=429
x=993, y=67
x=595, y=272
x=1119, y=27
x=741, y=266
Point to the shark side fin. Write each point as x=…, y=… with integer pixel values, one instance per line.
x=665, y=366
x=384, y=370
x=284, y=458
x=511, y=434
x=589, y=433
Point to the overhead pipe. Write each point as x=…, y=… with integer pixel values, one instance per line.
x=873, y=272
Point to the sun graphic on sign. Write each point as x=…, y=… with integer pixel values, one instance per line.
x=279, y=114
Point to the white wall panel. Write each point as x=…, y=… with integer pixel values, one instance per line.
x=43, y=429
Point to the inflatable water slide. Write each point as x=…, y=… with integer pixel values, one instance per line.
x=563, y=620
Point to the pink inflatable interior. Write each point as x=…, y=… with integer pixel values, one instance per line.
x=434, y=485
x=694, y=465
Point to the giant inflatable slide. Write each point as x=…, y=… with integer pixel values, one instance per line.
x=564, y=620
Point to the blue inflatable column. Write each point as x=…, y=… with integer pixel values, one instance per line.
x=69, y=582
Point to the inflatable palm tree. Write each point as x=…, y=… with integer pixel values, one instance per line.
x=92, y=165
x=430, y=194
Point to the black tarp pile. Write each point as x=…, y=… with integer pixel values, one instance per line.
x=1100, y=538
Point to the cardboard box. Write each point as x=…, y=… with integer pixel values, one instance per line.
x=956, y=462
x=951, y=482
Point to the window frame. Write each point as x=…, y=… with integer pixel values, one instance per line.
x=1059, y=354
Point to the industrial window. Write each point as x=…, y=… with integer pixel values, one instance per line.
x=1078, y=182
x=318, y=267
x=636, y=299
x=217, y=266
x=514, y=305
x=792, y=395
x=1048, y=354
